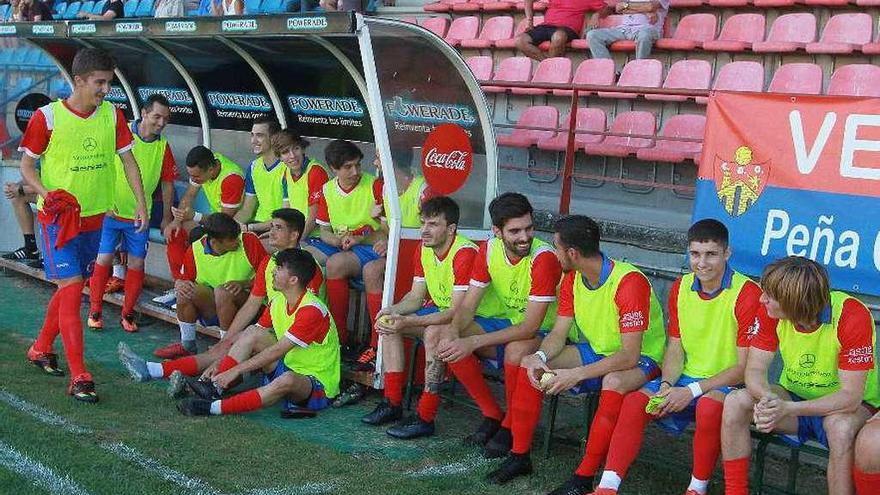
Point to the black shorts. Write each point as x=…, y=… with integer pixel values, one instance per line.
x=544, y=32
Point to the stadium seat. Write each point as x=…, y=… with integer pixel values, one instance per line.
x=678, y=126
x=593, y=71
x=855, y=80
x=692, y=31
x=437, y=25
x=644, y=73
x=538, y=6
x=462, y=28
x=588, y=119
x=843, y=33
x=481, y=66
x=72, y=10
x=87, y=7
x=556, y=70
x=605, y=22
x=680, y=4
x=144, y=9
x=627, y=125
x=868, y=3
x=685, y=74
x=788, y=33
x=99, y=7
x=542, y=117
x=738, y=76
x=494, y=29
x=59, y=9
x=273, y=6
x=511, y=69
x=738, y=33
x=728, y=3
x=4, y=12
x=827, y=3
x=129, y=8
x=441, y=6
x=497, y=6
x=521, y=27
x=765, y=4
x=409, y=20
x=803, y=78
x=252, y=7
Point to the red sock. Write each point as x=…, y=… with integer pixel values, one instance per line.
x=337, y=300
x=866, y=483
x=241, y=403
x=134, y=283
x=470, y=374
x=374, y=304
x=97, y=282
x=226, y=363
x=188, y=365
x=736, y=476
x=175, y=249
x=394, y=387
x=511, y=377
x=524, y=409
x=628, y=432
x=50, y=327
x=707, y=437
x=70, y=323
x=600, y=432
x=428, y=405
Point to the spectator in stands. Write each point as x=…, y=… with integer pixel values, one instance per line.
x=563, y=22
x=342, y=5
x=828, y=387
x=866, y=472
x=642, y=22
x=32, y=11
x=170, y=8
x=113, y=9
x=227, y=7
x=21, y=195
x=262, y=181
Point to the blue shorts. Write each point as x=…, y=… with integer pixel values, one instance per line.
x=317, y=399
x=427, y=310
x=364, y=253
x=116, y=232
x=490, y=325
x=588, y=356
x=76, y=258
x=677, y=422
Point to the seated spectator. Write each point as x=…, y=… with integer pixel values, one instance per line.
x=342, y=5
x=170, y=8
x=563, y=22
x=642, y=23
x=21, y=195
x=227, y=7
x=31, y=11
x=113, y=9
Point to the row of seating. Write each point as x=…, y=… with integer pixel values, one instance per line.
x=473, y=6
x=64, y=10
x=26, y=59
x=631, y=134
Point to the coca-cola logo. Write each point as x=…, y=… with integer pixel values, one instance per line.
x=447, y=158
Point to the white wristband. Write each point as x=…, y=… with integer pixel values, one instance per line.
x=695, y=389
x=197, y=217
x=222, y=333
x=541, y=355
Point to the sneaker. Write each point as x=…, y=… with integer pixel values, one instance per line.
x=411, y=427
x=22, y=254
x=167, y=298
x=352, y=395
x=37, y=263
x=134, y=364
x=384, y=413
x=349, y=353
x=488, y=428
x=46, y=361
x=177, y=388
x=83, y=389
x=366, y=361
x=172, y=351
x=127, y=323
x=293, y=411
x=193, y=406
x=499, y=445
x=204, y=389
x=514, y=466
x=96, y=321
x=115, y=284
x=576, y=485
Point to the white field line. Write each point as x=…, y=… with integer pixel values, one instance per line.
x=447, y=469
x=40, y=414
x=314, y=488
x=39, y=474
x=192, y=485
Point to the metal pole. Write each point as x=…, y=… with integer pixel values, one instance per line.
x=565, y=195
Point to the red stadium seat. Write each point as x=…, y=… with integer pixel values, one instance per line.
x=497, y=6
x=763, y=4
x=685, y=74
x=728, y=3
x=800, y=78
x=645, y=73
x=469, y=7
x=827, y=3
x=628, y=124
x=738, y=33
x=868, y=3
x=521, y=27
x=593, y=71
x=677, y=4
x=855, y=80
x=462, y=28
x=691, y=32
x=496, y=28
x=543, y=117
x=550, y=70
x=588, y=119
x=481, y=66
x=788, y=33
x=605, y=22
x=872, y=48
x=680, y=126
x=738, y=76
x=441, y=6
x=844, y=33
x=437, y=25
x=512, y=69
x=409, y=19
x=536, y=7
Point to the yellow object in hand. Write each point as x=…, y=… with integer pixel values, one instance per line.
x=653, y=404
x=384, y=320
x=546, y=377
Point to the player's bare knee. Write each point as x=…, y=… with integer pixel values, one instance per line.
x=841, y=430
x=515, y=351
x=738, y=407
x=613, y=381
x=867, y=457
x=713, y=395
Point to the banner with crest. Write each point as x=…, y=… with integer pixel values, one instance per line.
x=795, y=175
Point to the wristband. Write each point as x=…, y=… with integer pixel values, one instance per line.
x=222, y=333
x=695, y=389
x=247, y=227
x=667, y=383
x=541, y=355
x=197, y=217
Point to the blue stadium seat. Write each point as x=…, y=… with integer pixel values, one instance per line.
x=99, y=6
x=4, y=12
x=87, y=7
x=273, y=6
x=130, y=8
x=72, y=10
x=59, y=9
x=144, y=9
x=252, y=6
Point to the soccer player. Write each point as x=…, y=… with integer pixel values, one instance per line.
x=866, y=472
x=514, y=280
x=262, y=181
x=608, y=336
x=712, y=313
x=828, y=387
x=303, y=179
x=76, y=140
x=217, y=271
x=20, y=195
x=441, y=275
x=156, y=164
x=295, y=344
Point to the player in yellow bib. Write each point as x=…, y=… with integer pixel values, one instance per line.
x=303, y=179
x=295, y=344
x=262, y=180
x=829, y=385
x=712, y=314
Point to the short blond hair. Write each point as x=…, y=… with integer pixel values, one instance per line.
x=799, y=285
x=284, y=139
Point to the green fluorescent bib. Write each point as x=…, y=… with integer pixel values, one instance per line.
x=149, y=157
x=439, y=275
x=351, y=211
x=214, y=271
x=810, y=360
x=410, y=204
x=512, y=283
x=320, y=360
x=598, y=320
x=298, y=192
x=212, y=188
x=708, y=328
x=267, y=184
x=80, y=157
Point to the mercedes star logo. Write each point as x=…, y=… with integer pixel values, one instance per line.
x=807, y=360
x=89, y=144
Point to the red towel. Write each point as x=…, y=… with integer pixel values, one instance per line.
x=61, y=208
